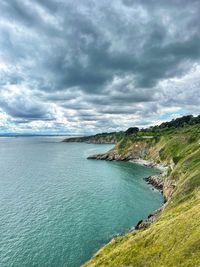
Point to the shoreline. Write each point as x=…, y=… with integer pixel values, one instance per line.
x=157, y=183
x=160, y=233
x=150, y=164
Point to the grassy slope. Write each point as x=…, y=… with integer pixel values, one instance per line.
x=174, y=240
x=101, y=138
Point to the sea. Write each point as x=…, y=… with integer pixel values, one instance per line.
x=57, y=208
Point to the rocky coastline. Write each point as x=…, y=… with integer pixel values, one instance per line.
x=159, y=182
x=156, y=182
x=145, y=223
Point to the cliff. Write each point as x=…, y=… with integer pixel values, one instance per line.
x=103, y=138
x=170, y=236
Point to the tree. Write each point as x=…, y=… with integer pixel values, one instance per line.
x=132, y=130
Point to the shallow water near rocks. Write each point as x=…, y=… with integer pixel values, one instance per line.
x=57, y=208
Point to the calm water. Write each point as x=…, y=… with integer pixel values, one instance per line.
x=57, y=208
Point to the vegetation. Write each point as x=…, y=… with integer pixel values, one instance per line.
x=135, y=133
x=132, y=130
x=106, y=138
x=174, y=239
x=178, y=122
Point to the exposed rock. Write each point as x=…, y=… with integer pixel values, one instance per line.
x=143, y=224
x=168, y=188
x=155, y=181
x=137, y=151
x=108, y=156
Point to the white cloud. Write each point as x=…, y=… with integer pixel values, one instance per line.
x=90, y=66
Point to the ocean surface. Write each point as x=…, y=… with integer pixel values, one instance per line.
x=57, y=208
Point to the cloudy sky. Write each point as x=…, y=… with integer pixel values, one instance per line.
x=87, y=66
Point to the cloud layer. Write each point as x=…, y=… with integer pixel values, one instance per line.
x=88, y=66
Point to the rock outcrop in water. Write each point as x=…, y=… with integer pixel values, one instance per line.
x=143, y=224
x=156, y=182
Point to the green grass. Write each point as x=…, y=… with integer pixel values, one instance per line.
x=174, y=240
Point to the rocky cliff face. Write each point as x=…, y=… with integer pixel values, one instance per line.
x=137, y=150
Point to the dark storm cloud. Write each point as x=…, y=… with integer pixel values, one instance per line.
x=21, y=107
x=109, y=58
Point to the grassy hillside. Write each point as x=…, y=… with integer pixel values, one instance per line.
x=102, y=138
x=174, y=239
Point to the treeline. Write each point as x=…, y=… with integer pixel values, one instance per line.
x=188, y=120
x=179, y=122
x=135, y=132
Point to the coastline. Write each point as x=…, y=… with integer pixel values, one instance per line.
x=158, y=183
x=178, y=152
x=155, y=181
x=150, y=163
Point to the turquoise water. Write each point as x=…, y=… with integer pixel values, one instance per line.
x=57, y=208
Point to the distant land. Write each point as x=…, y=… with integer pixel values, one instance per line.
x=29, y=135
x=153, y=131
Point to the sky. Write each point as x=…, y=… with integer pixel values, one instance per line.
x=88, y=66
